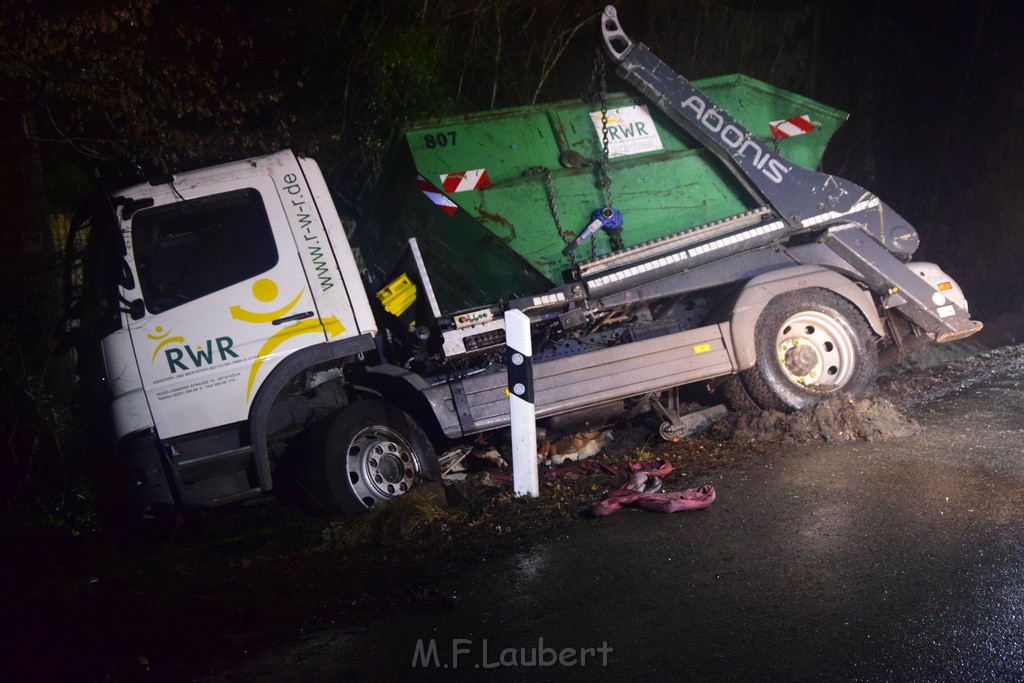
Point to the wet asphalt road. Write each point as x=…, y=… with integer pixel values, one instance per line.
x=900, y=560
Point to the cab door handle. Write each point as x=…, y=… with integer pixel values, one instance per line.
x=290, y=318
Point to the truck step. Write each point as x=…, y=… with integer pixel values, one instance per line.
x=217, y=478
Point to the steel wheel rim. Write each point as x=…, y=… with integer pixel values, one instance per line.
x=383, y=461
x=815, y=351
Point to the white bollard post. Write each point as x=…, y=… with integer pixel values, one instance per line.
x=519, y=360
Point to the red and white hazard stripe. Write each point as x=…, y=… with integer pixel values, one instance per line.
x=435, y=195
x=461, y=181
x=787, y=128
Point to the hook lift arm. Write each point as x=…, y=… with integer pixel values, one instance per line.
x=804, y=200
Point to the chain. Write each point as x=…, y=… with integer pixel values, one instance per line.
x=598, y=83
x=606, y=182
x=593, y=93
x=549, y=185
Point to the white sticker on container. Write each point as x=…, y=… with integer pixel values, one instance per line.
x=630, y=131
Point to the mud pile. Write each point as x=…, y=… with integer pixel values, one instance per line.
x=834, y=420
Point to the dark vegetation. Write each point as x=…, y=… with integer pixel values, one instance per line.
x=104, y=93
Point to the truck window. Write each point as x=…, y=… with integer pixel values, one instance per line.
x=186, y=250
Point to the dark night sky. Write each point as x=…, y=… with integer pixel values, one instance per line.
x=939, y=97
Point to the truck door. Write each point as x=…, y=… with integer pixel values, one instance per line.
x=226, y=298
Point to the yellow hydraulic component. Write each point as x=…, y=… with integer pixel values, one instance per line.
x=398, y=295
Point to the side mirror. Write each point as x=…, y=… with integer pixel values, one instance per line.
x=135, y=308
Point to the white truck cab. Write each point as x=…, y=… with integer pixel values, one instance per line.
x=230, y=270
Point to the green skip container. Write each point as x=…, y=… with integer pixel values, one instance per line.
x=494, y=197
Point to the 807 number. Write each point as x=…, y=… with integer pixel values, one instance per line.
x=432, y=140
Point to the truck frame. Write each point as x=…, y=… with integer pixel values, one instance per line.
x=239, y=330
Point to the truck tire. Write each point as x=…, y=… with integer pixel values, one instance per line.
x=363, y=455
x=811, y=345
x=735, y=394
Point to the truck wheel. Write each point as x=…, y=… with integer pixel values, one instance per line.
x=735, y=394
x=365, y=454
x=811, y=345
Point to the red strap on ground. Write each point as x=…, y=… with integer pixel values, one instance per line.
x=641, y=490
x=689, y=499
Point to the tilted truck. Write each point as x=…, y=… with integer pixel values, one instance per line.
x=236, y=311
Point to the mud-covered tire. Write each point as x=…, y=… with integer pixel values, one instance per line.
x=735, y=394
x=811, y=345
x=365, y=454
